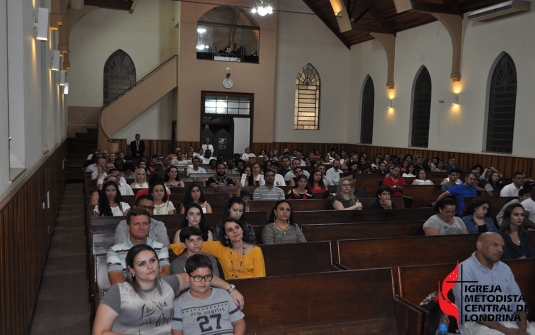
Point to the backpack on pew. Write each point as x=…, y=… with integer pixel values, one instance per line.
x=436, y=317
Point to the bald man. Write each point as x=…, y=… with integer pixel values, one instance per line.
x=485, y=279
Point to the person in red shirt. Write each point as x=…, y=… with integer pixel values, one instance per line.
x=395, y=181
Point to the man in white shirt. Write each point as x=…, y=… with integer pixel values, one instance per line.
x=247, y=154
x=511, y=190
x=279, y=179
x=103, y=169
x=290, y=174
x=299, y=158
x=94, y=167
x=123, y=186
x=334, y=172
x=326, y=180
x=196, y=168
x=207, y=157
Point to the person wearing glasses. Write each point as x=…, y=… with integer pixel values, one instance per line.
x=237, y=255
x=157, y=230
x=344, y=199
x=477, y=217
x=143, y=303
x=202, y=307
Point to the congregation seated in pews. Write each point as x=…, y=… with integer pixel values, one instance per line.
x=357, y=241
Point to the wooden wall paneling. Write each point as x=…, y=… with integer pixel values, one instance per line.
x=184, y=146
x=159, y=147
x=24, y=241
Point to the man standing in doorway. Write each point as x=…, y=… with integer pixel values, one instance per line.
x=137, y=147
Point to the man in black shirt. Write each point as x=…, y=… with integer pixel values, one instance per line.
x=219, y=179
x=383, y=201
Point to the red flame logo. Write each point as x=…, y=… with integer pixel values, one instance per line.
x=448, y=307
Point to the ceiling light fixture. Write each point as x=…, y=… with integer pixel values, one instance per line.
x=262, y=7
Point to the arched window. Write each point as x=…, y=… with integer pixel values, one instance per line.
x=119, y=75
x=502, y=104
x=307, y=98
x=421, y=109
x=366, y=118
x=228, y=34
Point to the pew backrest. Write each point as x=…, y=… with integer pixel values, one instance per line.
x=326, y=216
x=296, y=258
x=404, y=251
x=336, y=299
x=422, y=194
x=336, y=231
x=297, y=205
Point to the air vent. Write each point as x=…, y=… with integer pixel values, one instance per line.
x=499, y=10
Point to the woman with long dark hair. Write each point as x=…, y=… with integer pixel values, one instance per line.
x=194, y=216
x=171, y=178
x=237, y=255
x=282, y=228
x=518, y=242
x=194, y=194
x=315, y=182
x=235, y=209
x=301, y=190
x=477, y=217
x=162, y=204
x=110, y=201
x=143, y=304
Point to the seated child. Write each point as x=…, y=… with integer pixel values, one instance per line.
x=246, y=196
x=203, y=309
x=191, y=239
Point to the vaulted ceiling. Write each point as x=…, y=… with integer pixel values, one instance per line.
x=366, y=16
x=380, y=16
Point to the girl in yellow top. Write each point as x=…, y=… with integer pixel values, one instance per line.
x=238, y=257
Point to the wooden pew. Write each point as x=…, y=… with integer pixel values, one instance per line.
x=368, y=181
x=235, y=190
x=422, y=194
x=203, y=177
x=336, y=231
x=210, y=197
x=404, y=251
x=311, y=217
x=313, y=257
x=366, y=202
x=416, y=282
x=342, y=302
x=297, y=258
x=297, y=205
x=107, y=224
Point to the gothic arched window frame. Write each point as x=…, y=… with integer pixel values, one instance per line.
x=119, y=75
x=501, y=105
x=421, y=108
x=367, y=111
x=307, y=99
